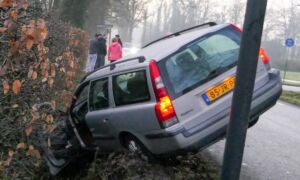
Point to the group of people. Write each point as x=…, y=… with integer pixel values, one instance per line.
x=98, y=51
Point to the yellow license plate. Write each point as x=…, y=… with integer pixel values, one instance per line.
x=219, y=90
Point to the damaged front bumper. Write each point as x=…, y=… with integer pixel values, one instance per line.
x=61, y=147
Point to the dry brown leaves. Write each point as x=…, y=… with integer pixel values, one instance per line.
x=14, y=15
x=34, y=75
x=35, y=116
x=35, y=31
x=50, y=82
x=7, y=3
x=28, y=130
x=16, y=86
x=67, y=98
x=2, y=29
x=21, y=146
x=53, y=105
x=6, y=87
x=49, y=119
x=33, y=152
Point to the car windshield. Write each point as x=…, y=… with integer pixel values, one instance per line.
x=200, y=61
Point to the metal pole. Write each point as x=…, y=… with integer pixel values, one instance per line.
x=286, y=63
x=241, y=103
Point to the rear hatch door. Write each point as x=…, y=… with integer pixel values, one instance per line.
x=200, y=77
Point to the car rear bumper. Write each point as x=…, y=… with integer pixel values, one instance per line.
x=204, y=134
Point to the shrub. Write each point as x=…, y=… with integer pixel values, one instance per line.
x=40, y=62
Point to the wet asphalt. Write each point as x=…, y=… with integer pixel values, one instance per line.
x=272, y=150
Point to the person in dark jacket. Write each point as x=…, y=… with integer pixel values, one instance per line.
x=119, y=40
x=93, y=51
x=101, y=51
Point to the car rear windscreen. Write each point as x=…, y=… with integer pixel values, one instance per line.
x=200, y=61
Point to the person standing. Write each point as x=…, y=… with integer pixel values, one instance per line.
x=92, y=57
x=114, y=51
x=119, y=40
x=101, y=51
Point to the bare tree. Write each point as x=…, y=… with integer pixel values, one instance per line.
x=50, y=5
x=221, y=16
x=236, y=12
x=129, y=13
x=270, y=25
x=159, y=19
x=287, y=23
x=98, y=11
x=177, y=19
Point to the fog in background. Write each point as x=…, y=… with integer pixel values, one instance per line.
x=141, y=21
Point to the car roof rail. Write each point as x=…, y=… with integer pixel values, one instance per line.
x=140, y=58
x=112, y=66
x=180, y=32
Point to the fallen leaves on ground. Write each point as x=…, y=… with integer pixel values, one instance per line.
x=127, y=166
x=21, y=146
x=28, y=130
x=33, y=152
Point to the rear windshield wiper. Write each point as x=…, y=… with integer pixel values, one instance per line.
x=214, y=73
x=220, y=70
x=211, y=75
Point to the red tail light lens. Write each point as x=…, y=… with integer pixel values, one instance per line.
x=164, y=108
x=236, y=27
x=158, y=85
x=264, y=57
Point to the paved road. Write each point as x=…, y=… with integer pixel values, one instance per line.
x=291, y=88
x=272, y=150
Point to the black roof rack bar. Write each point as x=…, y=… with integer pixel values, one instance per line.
x=179, y=32
x=113, y=65
x=140, y=58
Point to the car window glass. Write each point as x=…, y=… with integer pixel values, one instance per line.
x=212, y=46
x=199, y=61
x=130, y=88
x=82, y=96
x=99, y=95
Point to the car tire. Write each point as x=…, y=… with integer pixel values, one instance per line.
x=133, y=145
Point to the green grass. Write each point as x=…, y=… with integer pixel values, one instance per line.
x=291, y=83
x=295, y=76
x=291, y=97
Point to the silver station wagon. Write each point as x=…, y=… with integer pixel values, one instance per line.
x=172, y=96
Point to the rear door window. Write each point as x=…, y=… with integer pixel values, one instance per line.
x=99, y=98
x=200, y=61
x=130, y=88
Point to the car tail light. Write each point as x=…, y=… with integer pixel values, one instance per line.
x=264, y=58
x=263, y=55
x=164, y=108
x=236, y=27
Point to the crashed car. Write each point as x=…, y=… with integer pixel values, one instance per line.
x=173, y=96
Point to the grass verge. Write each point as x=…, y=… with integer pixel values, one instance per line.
x=295, y=76
x=291, y=97
x=291, y=83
